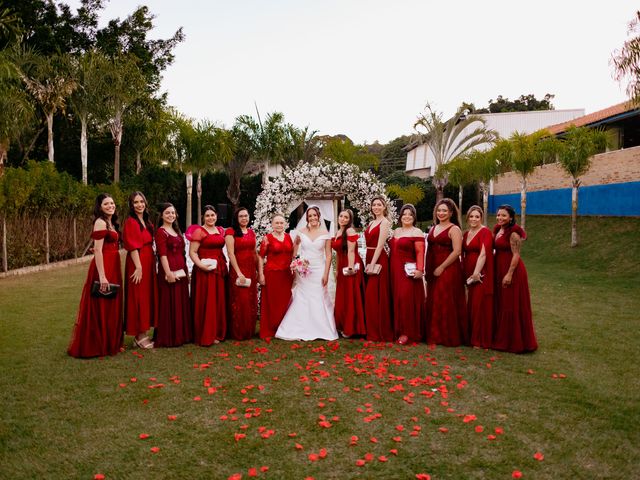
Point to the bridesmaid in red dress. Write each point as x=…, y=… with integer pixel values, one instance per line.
x=477, y=260
x=173, y=325
x=243, y=291
x=407, y=272
x=349, y=303
x=98, y=328
x=208, y=280
x=446, y=303
x=139, y=272
x=377, y=295
x=275, y=276
x=514, y=322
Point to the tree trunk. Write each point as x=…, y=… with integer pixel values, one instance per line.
x=46, y=238
x=83, y=148
x=460, y=193
x=116, y=128
x=485, y=202
x=32, y=144
x=199, y=195
x=189, y=180
x=5, y=261
x=75, y=237
x=138, y=162
x=265, y=174
x=4, y=150
x=523, y=202
x=50, y=135
x=233, y=192
x=574, y=213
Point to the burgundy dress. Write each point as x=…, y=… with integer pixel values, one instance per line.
x=98, y=328
x=349, y=304
x=446, y=303
x=514, y=322
x=275, y=295
x=208, y=289
x=479, y=295
x=377, y=294
x=408, y=292
x=140, y=299
x=243, y=301
x=173, y=315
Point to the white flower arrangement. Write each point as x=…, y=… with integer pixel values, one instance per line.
x=295, y=184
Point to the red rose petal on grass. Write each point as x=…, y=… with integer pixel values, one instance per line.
x=122, y=385
x=155, y=449
x=397, y=439
x=98, y=476
x=235, y=476
x=299, y=447
x=293, y=434
x=360, y=463
x=530, y=372
x=394, y=451
x=443, y=429
x=133, y=379
x=252, y=472
x=491, y=437
x=383, y=459
x=562, y=375
x=499, y=430
x=538, y=456
x=172, y=417
x=313, y=457
x=264, y=469
x=368, y=457
x=196, y=399
x=239, y=436
x=423, y=476
x=469, y=418
x=323, y=453
x=373, y=440
x=399, y=428
x=516, y=474
x=479, y=428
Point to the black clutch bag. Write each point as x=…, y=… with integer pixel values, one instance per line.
x=110, y=293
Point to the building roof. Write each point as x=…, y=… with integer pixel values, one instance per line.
x=594, y=117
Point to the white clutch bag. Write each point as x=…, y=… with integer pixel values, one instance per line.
x=346, y=272
x=179, y=274
x=247, y=282
x=212, y=263
x=409, y=269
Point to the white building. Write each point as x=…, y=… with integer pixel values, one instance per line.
x=420, y=160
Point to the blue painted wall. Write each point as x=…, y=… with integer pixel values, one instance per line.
x=616, y=199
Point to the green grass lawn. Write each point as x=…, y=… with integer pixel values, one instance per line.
x=413, y=409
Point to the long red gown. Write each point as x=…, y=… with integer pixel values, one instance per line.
x=275, y=295
x=446, y=303
x=140, y=299
x=479, y=295
x=173, y=316
x=514, y=321
x=208, y=289
x=377, y=294
x=98, y=328
x=243, y=301
x=407, y=292
x=349, y=304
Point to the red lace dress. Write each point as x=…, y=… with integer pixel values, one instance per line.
x=349, y=304
x=446, y=303
x=377, y=294
x=243, y=301
x=407, y=292
x=479, y=295
x=209, y=289
x=140, y=299
x=173, y=316
x=514, y=321
x=98, y=328
x=275, y=295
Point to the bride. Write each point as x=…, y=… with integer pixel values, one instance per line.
x=310, y=314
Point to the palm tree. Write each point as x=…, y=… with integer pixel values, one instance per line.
x=459, y=174
x=576, y=147
x=523, y=153
x=483, y=167
x=242, y=146
x=301, y=145
x=450, y=139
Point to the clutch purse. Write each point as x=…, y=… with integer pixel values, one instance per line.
x=110, y=293
x=471, y=281
x=212, y=263
x=247, y=282
x=376, y=269
x=409, y=268
x=347, y=272
x=179, y=274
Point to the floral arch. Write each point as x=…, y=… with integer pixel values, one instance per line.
x=287, y=191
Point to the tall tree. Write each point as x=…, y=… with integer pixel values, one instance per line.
x=576, y=147
x=626, y=61
x=301, y=144
x=451, y=139
x=459, y=174
x=243, y=150
x=483, y=167
x=343, y=150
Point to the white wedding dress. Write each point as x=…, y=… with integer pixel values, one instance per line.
x=310, y=313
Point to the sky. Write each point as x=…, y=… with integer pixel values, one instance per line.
x=366, y=68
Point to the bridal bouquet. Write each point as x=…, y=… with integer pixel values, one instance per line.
x=300, y=266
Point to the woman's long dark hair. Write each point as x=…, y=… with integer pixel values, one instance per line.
x=345, y=228
x=237, y=231
x=511, y=211
x=453, y=208
x=161, y=208
x=146, y=223
x=98, y=213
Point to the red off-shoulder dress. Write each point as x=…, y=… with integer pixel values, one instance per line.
x=173, y=318
x=349, y=304
x=408, y=292
x=275, y=295
x=479, y=295
x=98, y=328
x=243, y=301
x=209, y=289
x=446, y=303
x=514, y=320
x=377, y=295
x=140, y=299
